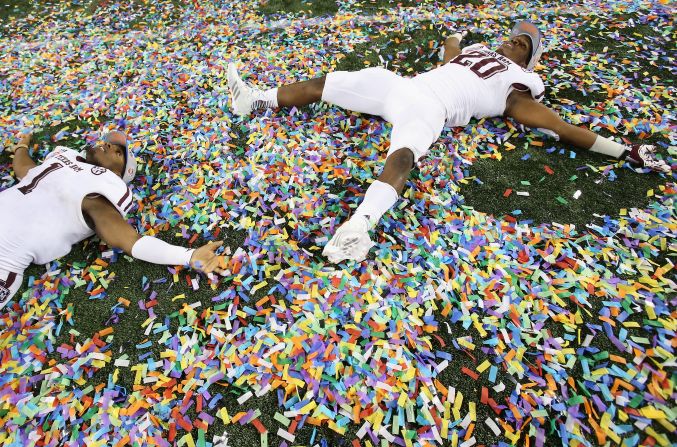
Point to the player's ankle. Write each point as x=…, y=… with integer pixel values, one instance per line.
x=631, y=154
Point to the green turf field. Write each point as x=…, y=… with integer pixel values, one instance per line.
x=566, y=188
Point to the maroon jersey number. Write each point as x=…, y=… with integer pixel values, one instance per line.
x=26, y=189
x=482, y=65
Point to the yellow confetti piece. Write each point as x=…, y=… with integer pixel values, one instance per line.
x=459, y=401
x=483, y=366
x=306, y=409
x=662, y=440
x=223, y=414
x=260, y=285
x=652, y=413
x=668, y=426
x=650, y=312
x=444, y=432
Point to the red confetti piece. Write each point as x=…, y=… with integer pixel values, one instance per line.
x=259, y=426
x=470, y=373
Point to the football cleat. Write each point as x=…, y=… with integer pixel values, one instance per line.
x=645, y=156
x=241, y=94
x=351, y=241
x=221, y=441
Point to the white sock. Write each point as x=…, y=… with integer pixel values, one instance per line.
x=265, y=99
x=608, y=147
x=380, y=197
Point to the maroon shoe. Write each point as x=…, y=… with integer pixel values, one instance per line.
x=644, y=156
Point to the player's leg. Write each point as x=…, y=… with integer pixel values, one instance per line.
x=361, y=91
x=417, y=124
x=351, y=240
x=300, y=93
x=9, y=284
x=364, y=91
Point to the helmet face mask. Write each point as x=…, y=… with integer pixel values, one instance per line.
x=129, y=162
x=130, y=165
x=129, y=168
x=534, y=34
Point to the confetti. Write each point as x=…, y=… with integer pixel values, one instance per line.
x=568, y=332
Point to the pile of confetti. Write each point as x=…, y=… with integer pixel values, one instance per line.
x=462, y=329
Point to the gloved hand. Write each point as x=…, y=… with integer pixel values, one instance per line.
x=644, y=155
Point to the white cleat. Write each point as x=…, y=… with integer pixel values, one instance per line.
x=240, y=93
x=351, y=241
x=221, y=441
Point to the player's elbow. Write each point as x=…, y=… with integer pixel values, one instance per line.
x=109, y=225
x=19, y=174
x=124, y=240
x=21, y=169
x=450, y=53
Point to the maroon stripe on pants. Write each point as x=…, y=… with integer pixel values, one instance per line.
x=9, y=281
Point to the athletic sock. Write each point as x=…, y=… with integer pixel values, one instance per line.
x=380, y=197
x=265, y=99
x=608, y=147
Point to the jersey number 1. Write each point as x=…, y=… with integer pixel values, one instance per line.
x=26, y=189
x=482, y=65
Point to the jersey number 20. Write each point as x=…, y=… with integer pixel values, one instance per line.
x=482, y=65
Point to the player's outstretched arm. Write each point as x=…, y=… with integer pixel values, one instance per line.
x=525, y=110
x=112, y=228
x=22, y=162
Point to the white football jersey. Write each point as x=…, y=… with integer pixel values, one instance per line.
x=476, y=83
x=41, y=216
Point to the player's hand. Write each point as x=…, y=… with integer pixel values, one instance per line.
x=644, y=155
x=206, y=260
x=458, y=37
x=452, y=41
x=24, y=140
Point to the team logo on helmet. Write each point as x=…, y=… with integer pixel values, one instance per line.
x=98, y=170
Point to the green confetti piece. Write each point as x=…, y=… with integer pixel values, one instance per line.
x=282, y=419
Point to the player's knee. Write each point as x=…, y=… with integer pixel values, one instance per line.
x=402, y=160
x=317, y=86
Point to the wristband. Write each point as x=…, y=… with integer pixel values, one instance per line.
x=156, y=251
x=19, y=146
